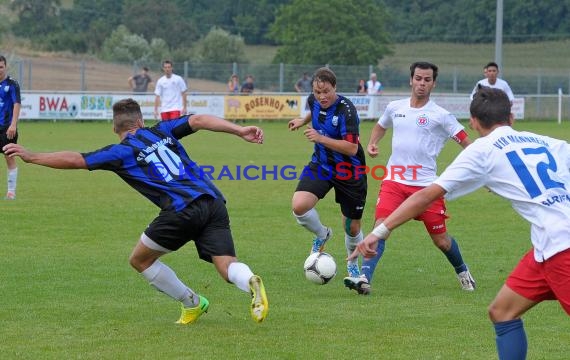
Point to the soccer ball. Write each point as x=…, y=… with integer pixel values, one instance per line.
x=320, y=268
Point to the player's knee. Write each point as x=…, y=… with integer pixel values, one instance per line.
x=500, y=313
x=135, y=262
x=442, y=241
x=493, y=312
x=353, y=229
x=299, y=209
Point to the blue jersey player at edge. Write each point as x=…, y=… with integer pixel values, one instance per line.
x=153, y=162
x=10, y=104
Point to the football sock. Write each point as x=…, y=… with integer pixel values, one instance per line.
x=239, y=274
x=455, y=258
x=12, y=178
x=369, y=264
x=350, y=242
x=310, y=221
x=165, y=280
x=511, y=340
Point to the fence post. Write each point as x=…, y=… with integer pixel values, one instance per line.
x=538, y=91
x=29, y=75
x=185, y=71
x=234, y=68
x=281, y=76
x=455, y=79
x=82, y=71
x=559, y=106
x=21, y=71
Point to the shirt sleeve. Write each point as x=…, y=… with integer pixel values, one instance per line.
x=182, y=84
x=178, y=128
x=107, y=158
x=15, y=92
x=509, y=92
x=467, y=173
x=385, y=119
x=452, y=126
x=158, y=88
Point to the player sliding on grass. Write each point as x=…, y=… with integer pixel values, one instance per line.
x=154, y=162
x=530, y=170
x=420, y=130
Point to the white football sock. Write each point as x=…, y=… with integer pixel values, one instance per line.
x=12, y=179
x=350, y=242
x=310, y=221
x=164, y=279
x=239, y=274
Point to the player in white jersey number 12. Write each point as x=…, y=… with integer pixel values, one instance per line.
x=530, y=170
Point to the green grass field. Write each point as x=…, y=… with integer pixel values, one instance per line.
x=67, y=291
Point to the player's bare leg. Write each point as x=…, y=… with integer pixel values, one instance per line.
x=145, y=259
x=505, y=312
x=450, y=249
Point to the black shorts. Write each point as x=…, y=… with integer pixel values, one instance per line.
x=4, y=139
x=205, y=221
x=349, y=194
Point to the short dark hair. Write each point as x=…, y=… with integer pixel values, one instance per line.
x=126, y=112
x=492, y=63
x=167, y=62
x=324, y=74
x=490, y=106
x=3, y=59
x=424, y=65
x=145, y=68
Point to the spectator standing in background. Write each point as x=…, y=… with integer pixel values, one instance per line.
x=361, y=88
x=248, y=86
x=373, y=86
x=492, y=80
x=10, y=104
x=170, y=94
x=140, y=82
x=233, y=84
x=304, y=84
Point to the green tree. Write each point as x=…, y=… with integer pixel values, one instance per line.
x=219, y=46
x=124, y=46
x=342, y=32
x=36, y=18
x=160, y=19
x=92, y=20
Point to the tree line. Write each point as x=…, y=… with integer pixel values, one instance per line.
x=352, y=32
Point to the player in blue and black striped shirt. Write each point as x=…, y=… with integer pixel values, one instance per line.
x=337, y=162
x=154, y=162
x=10, y=103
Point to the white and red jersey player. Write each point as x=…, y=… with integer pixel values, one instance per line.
x=529, y=170
x=419, y=135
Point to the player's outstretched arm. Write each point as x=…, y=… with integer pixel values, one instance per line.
x=409, y=209
x=56, y=160
x=252, y=134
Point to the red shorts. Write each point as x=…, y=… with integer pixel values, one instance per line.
x=539, y=281
x=170, y=115
x=392, y=194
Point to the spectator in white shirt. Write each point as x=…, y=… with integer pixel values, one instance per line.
x=374, y=87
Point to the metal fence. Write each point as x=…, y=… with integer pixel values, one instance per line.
x=540, y=87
